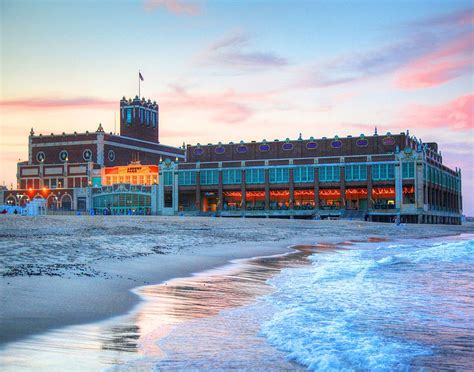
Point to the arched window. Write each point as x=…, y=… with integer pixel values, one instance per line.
x=11, y=200
x=52, y=201
x=66, y=202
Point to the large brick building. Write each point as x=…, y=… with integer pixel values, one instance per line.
x=378, y=177
x=63, y=167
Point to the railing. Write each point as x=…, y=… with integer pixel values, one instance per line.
x=384, y=206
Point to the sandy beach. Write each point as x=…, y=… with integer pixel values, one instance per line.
x=59, y=271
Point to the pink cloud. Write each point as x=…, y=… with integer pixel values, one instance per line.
x=228, y=107
x=457, y=115
x=174, y=6
x=58, y=103
x=440, y=66
x=463, y=17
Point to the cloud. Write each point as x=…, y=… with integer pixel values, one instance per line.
x=174, y=6
x=58, y=103
x=440, y=66
x=428, y=53
x=363, y=65
x=228, y=107
x=463, y=17
x=456, y=115
x=232, y=51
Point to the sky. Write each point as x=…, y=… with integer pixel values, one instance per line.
x=241, y=70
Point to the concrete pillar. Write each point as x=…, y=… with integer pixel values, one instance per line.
x=220, y=197
x=369, y=187
x=316, y=188
x=243, y=190
x=88, y=199
x=419, y=185
x=41, y=174
x=342, y=186
x=160, y=194
x=198, y=191
x=267, y=189
x=154, y=199
x=398, y=186
x=291, y=189
x=175, y=191
x=100, y=148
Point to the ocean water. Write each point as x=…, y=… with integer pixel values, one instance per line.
x=377, y=307
x=367, y=306
x=396, y=307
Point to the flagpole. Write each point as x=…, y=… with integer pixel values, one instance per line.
x=139, y=95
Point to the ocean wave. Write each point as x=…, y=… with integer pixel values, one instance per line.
x=357, y=309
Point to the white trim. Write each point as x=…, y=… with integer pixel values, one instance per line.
x=143, y=149
x=94, y=142
x=151, y=143
x=67, y=143
x=100, y=149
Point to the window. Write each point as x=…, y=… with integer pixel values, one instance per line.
x=167, y=178
x=303, y=174
x=63, y=155
x=231, y=176
x=87, y=155
x=148, y=118
x=186, y=178
x=408, y=170
x=254, y=176
x=129, y=116
x=356, y=172
x=383, y=172
x=154, y=116
x=209, y=177
x=40, y=156
x=279, y=175
x=329, y=173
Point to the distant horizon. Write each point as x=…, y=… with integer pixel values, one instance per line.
x=242, y=71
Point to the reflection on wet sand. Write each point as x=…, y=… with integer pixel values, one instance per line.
x=121, y=339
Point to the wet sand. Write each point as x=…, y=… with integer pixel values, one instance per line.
x=134, y=341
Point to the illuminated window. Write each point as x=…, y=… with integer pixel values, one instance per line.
x=129, y=116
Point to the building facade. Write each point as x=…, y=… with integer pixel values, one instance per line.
x=377, y=177
x=63, y=168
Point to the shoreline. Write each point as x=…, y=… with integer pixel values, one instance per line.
x=148, y=335
x=56, y=302
x=244, y=280
x=131, y=275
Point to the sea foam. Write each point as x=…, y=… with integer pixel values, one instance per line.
x=375, y=309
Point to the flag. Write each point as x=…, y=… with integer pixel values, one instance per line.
x=140, y=76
